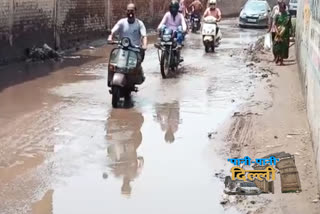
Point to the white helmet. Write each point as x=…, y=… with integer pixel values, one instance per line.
x=212, y=1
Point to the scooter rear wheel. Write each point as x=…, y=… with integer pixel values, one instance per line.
x=115, y=96
x=206, y=48
x=213, y=46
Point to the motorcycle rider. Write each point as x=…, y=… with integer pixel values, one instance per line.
x=196, y=8
x=212, y=10
x=134, y=29
x=174, y=21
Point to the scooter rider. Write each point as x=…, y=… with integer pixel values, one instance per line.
x=174, y=21
x=212, y=10
x=134, y=29
x=196, y=8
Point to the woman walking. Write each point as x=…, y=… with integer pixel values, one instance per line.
x=282, y=35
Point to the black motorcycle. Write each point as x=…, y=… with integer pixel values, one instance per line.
x=168, y=52
x=124, y=70
x=195, y=23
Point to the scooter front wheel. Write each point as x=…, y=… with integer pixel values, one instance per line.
x=206, y=48
x=116, y=90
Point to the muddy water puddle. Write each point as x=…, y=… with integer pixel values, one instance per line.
x=155, y=157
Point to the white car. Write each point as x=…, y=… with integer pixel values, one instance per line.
x=293, y=5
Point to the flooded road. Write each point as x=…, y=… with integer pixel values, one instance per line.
x=65, y=150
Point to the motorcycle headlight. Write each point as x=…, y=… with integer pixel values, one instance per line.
x=166, y=38
x=125, y=42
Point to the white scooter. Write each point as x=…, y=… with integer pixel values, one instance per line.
x=211, y=39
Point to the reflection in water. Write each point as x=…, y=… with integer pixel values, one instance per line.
x=124, y=137
x=168, y=115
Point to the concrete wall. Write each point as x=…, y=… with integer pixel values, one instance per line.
x=308, y=53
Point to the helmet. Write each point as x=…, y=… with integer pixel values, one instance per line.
x=212, y=3
x=174, y=7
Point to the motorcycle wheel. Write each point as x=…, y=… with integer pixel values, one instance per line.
x=115, y=96
x=165, y=64
x=194, y=29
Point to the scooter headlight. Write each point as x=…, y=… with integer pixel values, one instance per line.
x=125, y=42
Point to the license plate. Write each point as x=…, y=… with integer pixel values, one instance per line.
x=252, y=20
x=196, y=19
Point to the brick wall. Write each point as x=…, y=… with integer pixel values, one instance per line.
x=79, y=20
x=60, y=23
x=20, y=24
x=65, y=23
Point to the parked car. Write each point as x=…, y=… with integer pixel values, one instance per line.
x=293, y=5
x=255, y=13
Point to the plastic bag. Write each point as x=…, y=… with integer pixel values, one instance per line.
x=267, y=42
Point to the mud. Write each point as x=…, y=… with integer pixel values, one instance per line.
x=65, y=150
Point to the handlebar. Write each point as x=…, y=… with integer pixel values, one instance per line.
x=136, y=48
x=113, y=42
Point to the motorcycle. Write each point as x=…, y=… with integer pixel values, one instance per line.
x=168, y=52
x=211, y=39
x=124, y=70
x=195, y=23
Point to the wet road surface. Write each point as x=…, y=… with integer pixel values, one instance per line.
x=63, y=149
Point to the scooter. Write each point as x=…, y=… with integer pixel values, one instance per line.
x=124, y=70
x=211, y=38
x=195, y=23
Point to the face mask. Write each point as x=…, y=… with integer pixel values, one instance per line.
x=174, y=12
x=131, y=16
x=212, y=7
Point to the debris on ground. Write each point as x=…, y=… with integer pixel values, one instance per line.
x=42, y=53
x=72, y=57
x=264, y=75
x=238, y=114
x=210, y=134
x=220, y=175
x=249, y=64
x=259, y=45
x=280, y=155
x=289, y=175
x=105, y=175
x=268, y=70
x=224, y=201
